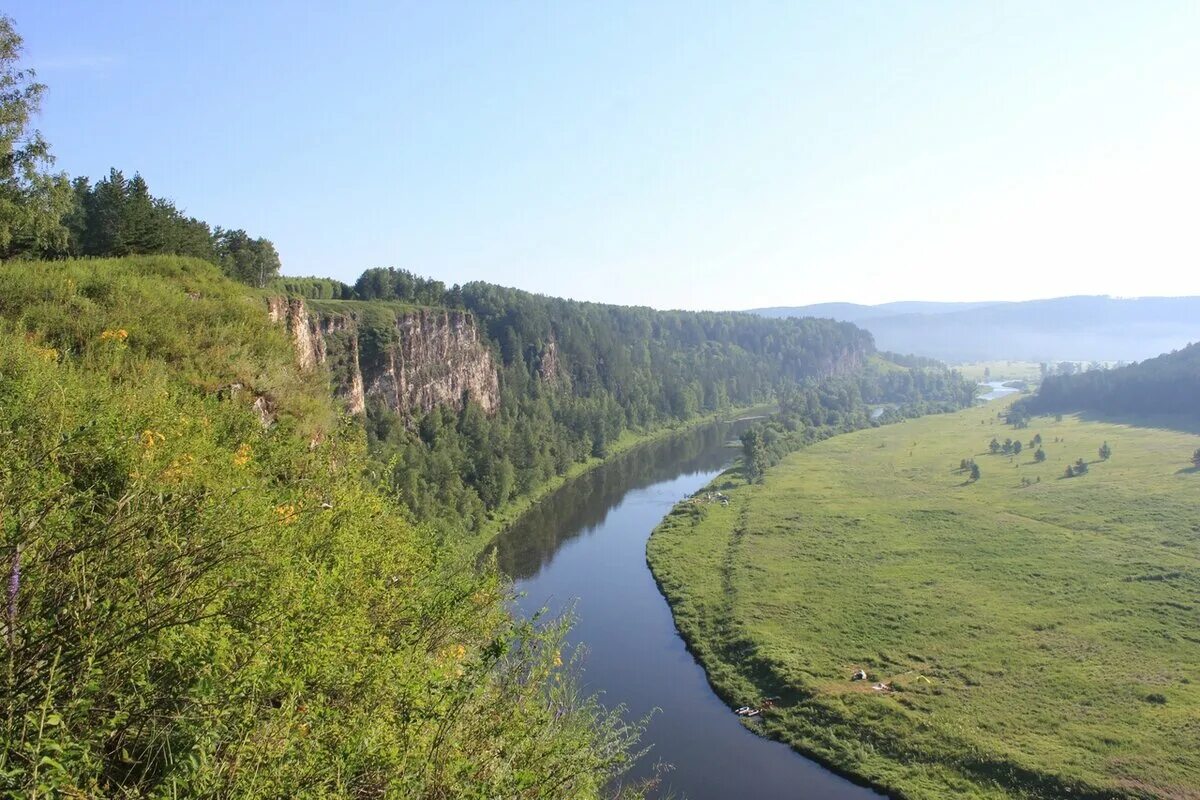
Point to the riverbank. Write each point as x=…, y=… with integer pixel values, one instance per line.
x=505, y=517
x=583, y=551
x=1032, y=635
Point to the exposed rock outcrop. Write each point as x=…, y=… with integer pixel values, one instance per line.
x=306, y=337
x=412, y=361
x=548, y=366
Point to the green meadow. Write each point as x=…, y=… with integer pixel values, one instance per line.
x=1040, y=634
x=1001, y=370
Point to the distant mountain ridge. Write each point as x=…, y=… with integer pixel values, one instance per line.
x=1078, y=328
x=857, y=312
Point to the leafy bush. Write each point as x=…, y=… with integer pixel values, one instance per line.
x=202, y=605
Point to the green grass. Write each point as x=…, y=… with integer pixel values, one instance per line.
x=201, y=605
x=1043, y=637
x=1001, y=370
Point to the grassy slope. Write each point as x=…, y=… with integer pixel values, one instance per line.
x=202, y=606
x=1047, y=619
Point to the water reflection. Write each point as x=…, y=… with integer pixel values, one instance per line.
x=582, y=505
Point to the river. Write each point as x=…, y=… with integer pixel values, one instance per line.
x=584, y=547
x=995, y=390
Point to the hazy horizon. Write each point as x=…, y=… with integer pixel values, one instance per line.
x=768, y=156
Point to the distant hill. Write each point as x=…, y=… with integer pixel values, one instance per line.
x=1082, y=328
x=1168, y=384
x=855, y=312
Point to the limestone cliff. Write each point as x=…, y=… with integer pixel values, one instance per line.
x=410, y=359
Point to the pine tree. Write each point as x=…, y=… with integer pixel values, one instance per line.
x=1105, y=451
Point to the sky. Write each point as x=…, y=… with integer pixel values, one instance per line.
x=679, y=155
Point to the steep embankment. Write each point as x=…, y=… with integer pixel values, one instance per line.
x=1036, y=633
x=477, y=399
x=204, y=598
x=412, y=360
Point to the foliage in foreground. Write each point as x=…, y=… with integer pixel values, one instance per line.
x=1038, y=633
x=199, y=605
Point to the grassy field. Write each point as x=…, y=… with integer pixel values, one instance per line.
x=1001, y=370
x=1041, y=633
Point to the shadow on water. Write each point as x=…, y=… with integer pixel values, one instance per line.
x=584, y=548
x=582, y=505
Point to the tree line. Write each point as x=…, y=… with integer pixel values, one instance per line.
x=575, y=377
x=46, y=215
x=1166, y=384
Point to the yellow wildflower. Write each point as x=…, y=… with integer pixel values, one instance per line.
x=179, y=469
x=453, y=652
x=557, y=659
x=118, y=335
x=286, y=513
x=242, y=456
x=151, y=438
x=47, y=353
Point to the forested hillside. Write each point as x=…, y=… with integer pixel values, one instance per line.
x=204, y=595
x=573, y=378
x=1168, y=384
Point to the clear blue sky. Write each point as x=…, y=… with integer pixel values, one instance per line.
x=674, y=154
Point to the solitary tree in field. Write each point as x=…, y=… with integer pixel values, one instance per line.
x=975, y=471
x=1070, y=472
x=1080, y=466
x=1105, y=451
x=1040, y=455
x=1196, y=458
x=1016, y=448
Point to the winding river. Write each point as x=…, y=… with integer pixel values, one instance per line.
x=584, y=547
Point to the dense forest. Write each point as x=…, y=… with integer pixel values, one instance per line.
x=575, y=377
x=1167, y=384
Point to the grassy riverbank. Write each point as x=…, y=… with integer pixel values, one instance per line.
x=513, y=511
x=1040, y=632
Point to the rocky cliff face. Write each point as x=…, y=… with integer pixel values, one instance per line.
x=306, y=338
x=411, y=360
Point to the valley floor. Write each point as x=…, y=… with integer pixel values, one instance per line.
x=1040, y=635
